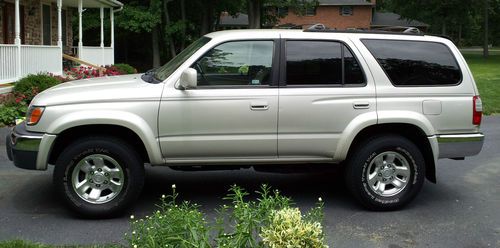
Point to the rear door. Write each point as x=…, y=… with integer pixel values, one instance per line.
x=323, y=88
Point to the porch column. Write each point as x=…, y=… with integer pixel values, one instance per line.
x=17, y=36
x=112, y=18
x=59, y=25
x=102, y=34
x=80, y=33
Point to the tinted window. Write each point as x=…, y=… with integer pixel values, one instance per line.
x=414, y=63
x=236, y=64
x=320, y=63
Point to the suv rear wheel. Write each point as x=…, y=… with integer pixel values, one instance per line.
x=99, y=176
x=385, y=172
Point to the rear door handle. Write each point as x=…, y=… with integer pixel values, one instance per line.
x=361, y=105
x=259, y=106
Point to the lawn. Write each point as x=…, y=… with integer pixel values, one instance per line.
x=487, y=75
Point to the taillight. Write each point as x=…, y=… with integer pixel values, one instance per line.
x=477, y=110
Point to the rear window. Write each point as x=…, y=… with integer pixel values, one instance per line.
x=416, y=63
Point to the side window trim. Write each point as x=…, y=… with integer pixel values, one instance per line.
x=406, y=86
x=282, y=67
x=275, y=69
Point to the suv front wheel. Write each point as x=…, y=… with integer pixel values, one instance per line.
x=385, y=172
x=99, y=176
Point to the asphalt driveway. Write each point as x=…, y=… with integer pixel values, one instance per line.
x=462, y=210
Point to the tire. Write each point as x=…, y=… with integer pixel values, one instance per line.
x=99, y=163
x=385, y=172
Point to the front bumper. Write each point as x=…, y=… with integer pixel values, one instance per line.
x=26, y=149
x=460, y=145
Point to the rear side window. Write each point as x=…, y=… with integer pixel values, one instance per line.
x=416, y=63
x=321, y=63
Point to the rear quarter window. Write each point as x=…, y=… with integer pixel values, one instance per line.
x=416, y=63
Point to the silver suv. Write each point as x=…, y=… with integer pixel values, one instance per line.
x=384, y=106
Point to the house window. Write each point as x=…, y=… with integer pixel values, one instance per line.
x=46, y=34
x=282, y=11
x=310, y=11
x=346, y=10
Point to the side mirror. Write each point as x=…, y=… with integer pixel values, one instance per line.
x=189, y=79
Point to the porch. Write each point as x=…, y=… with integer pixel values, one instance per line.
x=27, y=50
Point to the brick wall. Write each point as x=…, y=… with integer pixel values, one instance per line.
x=331, y=17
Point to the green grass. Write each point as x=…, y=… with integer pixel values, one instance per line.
x=487, y=75
x=25, y=244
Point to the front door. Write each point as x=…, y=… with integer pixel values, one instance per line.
x=9, y=23
x=232, y=114
x=323, y=89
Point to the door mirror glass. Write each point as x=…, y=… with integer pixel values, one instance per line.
x=188, y=79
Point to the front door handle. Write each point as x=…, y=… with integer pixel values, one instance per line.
x=361, y=105
x=259, y=106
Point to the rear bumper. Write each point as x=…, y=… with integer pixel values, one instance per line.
x=28, y=150
x=459, y=145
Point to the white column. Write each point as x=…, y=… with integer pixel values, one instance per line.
x=112, y=18
x=17, y=37
x=80, y=33
x=102, y=35
x=59, y=24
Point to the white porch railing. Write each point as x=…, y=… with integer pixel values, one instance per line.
x=8, y=63
x=35, y=59
x=98, y=55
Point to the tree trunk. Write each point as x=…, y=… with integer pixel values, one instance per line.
x=156, y=47
x=443, y=28
x=166, y=17
x=486, y=51
x=184, y=23
x=459, y=34
x=207, y=17
x=254, y=11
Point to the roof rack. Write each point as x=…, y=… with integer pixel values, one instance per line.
x=396, y=30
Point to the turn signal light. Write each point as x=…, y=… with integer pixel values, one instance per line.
x=477, y=110
x=34, y=115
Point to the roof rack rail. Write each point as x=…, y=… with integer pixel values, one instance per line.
x=396, y=30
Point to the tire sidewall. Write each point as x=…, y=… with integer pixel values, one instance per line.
x=128, y=160
x=362, y=162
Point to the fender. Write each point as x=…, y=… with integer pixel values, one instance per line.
x=111, y=117
x=359, y=123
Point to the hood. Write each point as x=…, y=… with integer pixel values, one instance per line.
x=103, y=89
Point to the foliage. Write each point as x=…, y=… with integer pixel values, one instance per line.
x=124, y=69
x=9, y=114
x=33, y=84
x=288, y=229
x=26, y=244
x=487, y=76
x=240, y=224
x=174, y=225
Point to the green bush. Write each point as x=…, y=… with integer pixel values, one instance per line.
x=125, y=69
x=243, y=223
x=9, y=114
x=33, y=84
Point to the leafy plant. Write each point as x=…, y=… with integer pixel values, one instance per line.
x=267, y=221
x=33, y=84
x=123, y=69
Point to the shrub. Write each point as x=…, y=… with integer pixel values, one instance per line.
x=125, y=68
x=268, y=221
x=9, y=114
x=289, y=229
x=32, y=84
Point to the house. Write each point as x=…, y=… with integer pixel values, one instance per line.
x=386, y=20
x=338, y=14
x=36, y=33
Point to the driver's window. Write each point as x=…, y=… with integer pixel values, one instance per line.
x=237, y=63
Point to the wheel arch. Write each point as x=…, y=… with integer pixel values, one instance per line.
x=66, y=136
x=412, y=132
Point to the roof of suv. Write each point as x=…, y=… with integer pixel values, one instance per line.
x=306, y=34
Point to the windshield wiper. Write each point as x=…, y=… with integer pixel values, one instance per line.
x=149, y=77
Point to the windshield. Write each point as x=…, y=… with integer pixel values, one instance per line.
x=164, y=71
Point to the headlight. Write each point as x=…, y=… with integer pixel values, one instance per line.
x=34, y=115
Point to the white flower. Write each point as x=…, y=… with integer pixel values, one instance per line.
x=135, y=246
x=173, y=186
x=320, y=200
x=163, y=196
x=132, y=217
x=133, y=232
